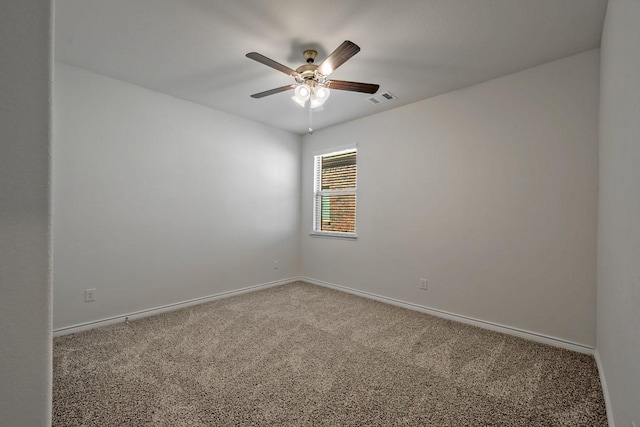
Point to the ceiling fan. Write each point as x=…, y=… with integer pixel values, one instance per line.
x=312, y=82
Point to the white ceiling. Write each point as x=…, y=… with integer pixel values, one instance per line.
x=416, y=49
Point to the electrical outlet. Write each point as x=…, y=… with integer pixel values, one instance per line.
x=423, y=284
x=275, y=265
x=89, y=295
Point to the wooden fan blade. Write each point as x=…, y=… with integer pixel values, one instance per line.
x=271, y=63
x=353, y=86
x=273, y=91
x=339, y=56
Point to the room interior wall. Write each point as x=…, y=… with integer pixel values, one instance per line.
x=618, y=313
x=157, y=200
x=25, y=279
x=489, y=192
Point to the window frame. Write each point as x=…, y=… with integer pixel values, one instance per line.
x=317, y=180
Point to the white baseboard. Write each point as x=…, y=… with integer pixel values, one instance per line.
x=533, y=336
x=605, y=389
x=509, y=330
x=169, y=307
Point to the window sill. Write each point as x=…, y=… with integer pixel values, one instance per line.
x=330, y=235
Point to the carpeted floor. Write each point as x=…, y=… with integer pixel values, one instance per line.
x=302, y=355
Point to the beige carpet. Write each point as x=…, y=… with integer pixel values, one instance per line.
x=302, y=355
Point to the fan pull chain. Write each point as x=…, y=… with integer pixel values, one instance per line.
x=310, y=121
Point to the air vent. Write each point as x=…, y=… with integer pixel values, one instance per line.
x=382, y=98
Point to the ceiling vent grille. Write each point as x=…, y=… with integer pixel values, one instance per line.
x=382, y=98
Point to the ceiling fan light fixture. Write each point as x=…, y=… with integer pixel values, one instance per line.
x=301, y=94
x=299, y=101
x=311, y=81
x=315, y=103
x=321, y=93
x=319, y=96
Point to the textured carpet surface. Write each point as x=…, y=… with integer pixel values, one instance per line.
x=301, y=355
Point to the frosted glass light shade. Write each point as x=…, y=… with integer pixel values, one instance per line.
x=303, y=92
x=299, y=101
x=301, y=95
x=322, y=93
x=319, y=96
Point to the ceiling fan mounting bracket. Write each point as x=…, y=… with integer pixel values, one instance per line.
x=310, y=55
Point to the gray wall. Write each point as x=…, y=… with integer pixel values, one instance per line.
x=157, y=200
x=619, y=216
x=489, y=192
x=25, y=288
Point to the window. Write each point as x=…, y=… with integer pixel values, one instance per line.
x=334, y=205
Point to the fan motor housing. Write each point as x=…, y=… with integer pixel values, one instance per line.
x=307, y=71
